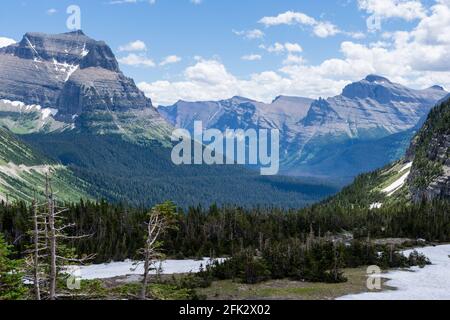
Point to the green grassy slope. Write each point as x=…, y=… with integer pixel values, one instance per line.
x=22, y=173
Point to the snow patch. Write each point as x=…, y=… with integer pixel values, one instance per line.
x=32, y=46
x=400, y=182
x=84, y=52
x=406, y=166
x=45, y=112
x=429, y=283
x=49, y=112
x=17, y=104
x=376, y=205
x=64, y=67
x=128, y=267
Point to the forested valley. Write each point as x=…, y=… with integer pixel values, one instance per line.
x=311, y=244
x=118, y=231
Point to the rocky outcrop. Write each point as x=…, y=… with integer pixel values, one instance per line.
x=430, y=151
x=319, y=114
x=95, y=88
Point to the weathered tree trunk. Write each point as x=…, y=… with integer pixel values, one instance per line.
x=53, y=273
x=158, y=223
x=145, y=279
x=52, y=241
x=37, y=289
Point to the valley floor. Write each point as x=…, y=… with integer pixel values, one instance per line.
x=431, y=282
x=287, y=289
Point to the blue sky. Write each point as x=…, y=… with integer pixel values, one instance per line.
x=213, y=49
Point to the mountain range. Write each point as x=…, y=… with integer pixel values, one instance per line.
x=64, y=99
x=369, y=125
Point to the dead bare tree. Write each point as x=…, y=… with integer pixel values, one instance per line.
x=51, y=238
x=47, y=253
x=37, y=251
x=34, y=251
x=36, y=279
x=161, y=218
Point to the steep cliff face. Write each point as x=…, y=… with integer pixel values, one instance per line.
x=78, y=78
x=429, y=151
x=96, y=88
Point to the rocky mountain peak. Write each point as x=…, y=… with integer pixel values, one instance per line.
x=73, y=48
x=374, y=87
x=320, y=113
x=70, y=72
x=437, y=87
x=373, y=78
x=77, y=80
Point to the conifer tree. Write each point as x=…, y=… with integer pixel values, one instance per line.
x=11, y=277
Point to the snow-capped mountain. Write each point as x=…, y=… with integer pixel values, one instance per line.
x=325, y=137
x=80, y=80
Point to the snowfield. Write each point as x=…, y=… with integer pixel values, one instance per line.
x=396, y=185
x=429, y=283
x=126, y=268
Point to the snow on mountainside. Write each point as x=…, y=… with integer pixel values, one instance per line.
x=324, y=137
x=80, y=79
x=21, y=118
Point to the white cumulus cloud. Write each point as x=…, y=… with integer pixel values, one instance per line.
x=137, y=45
x=136, y=60
x=322, y=29
x=405, y=9
x=417, y=57
x=282, y=47
x=51, y=11
x=4, y=42
x=250, y=34
x=170, y=60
